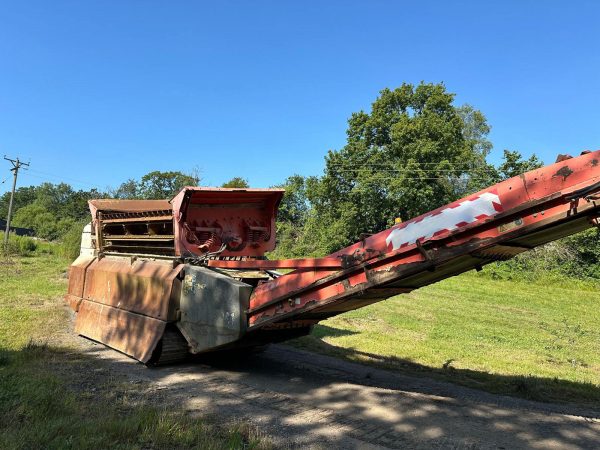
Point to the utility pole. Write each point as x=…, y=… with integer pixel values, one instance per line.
x=17, y=164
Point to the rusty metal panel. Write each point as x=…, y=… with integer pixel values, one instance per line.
x=241, y=220
x=144, y=287
x=77, y=274
x=73, y=301
x=132, y=334
x=127, y=205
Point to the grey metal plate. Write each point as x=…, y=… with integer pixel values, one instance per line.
x=212, y=308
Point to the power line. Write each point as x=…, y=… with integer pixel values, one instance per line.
x=408, y=164
x=413, y=171
x=58, y=176
x=61, y=178
x=399, y=176
x=17, y=164
x=382, y=168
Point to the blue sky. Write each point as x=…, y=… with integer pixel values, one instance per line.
x=95, y=92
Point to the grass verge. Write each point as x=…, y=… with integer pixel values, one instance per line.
x=537, y=340
x=51, y=395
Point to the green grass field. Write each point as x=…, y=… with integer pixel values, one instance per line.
x=49, y=395
x=537, y=340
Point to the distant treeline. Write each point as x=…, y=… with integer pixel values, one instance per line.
x=51, y=210
x=414, y=151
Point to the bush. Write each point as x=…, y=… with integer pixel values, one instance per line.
x=26, y=245
x=70, y=242
x=19, y=245
x=68, y=245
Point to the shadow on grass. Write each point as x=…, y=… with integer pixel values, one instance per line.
x=549, y=390
x=327, y=331
x=59, y=398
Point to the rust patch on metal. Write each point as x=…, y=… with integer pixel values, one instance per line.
x=130, y=333
x=510, y=225
x=73, y=301
x=301, y=263
x=561, y=158
x=358, y=257
x=128, y=206
x=77, y=275
x=564, y=172
x=383, y=292
x=150, y=288
x=524, y=180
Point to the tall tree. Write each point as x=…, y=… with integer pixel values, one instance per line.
x=155, y=185
x=236, y=182
x=126, y=190
x=475, y=130
x=23, y=196
x=294, y=211
x=410, y=154
x=513, y=164
x=294, y=205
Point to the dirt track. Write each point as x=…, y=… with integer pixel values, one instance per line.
x=305, y=400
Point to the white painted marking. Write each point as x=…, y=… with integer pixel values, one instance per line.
x=447, y=219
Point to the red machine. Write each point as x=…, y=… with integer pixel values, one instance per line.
x=161, y=280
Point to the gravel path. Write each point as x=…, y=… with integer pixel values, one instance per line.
x=305, y=400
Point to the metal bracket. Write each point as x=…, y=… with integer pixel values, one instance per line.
x=585, y=192
x=593, y=197
x=426, y=254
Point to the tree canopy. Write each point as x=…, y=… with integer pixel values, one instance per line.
x=49, y=209
x=156, y=185
x=236, y=182
x=414, y=151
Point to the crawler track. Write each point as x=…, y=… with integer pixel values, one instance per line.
x=171, y=349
